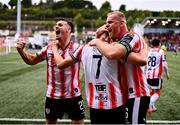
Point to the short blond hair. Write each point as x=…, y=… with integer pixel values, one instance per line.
x=121, y=16
x=101, y=30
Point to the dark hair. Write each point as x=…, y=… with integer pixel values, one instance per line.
x=69, y=22
x=155, y=42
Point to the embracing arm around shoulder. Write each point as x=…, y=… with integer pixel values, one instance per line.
x=60, y=61
x=113, y=51
x=139, y=58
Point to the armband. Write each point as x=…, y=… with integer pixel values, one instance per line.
x=72, y=56
x=128, y=49
x=37, y=55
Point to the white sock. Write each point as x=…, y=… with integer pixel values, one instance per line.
x=154, y=98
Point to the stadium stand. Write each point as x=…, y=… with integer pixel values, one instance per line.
x=167, y=29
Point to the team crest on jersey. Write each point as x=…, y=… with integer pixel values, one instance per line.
x=50, y=53
x=47, y=111
x=131, y=90
x=76, y=89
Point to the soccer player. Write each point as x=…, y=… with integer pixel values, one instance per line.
x=175, y=49
x=104, y=91
x=156, y=64
x=63, y=94
x=164, y=48
x=132, y=76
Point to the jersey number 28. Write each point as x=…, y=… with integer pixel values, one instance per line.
x=152, y=61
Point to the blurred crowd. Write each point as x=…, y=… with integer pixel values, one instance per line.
x=170, y=40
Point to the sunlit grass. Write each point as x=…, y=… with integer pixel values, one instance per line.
x=22, y=90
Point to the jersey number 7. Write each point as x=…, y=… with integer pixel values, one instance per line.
x=99, y=57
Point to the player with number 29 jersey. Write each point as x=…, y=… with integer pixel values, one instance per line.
x=103, y=89
x=61, y=83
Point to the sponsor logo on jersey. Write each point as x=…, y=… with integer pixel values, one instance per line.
x=102, y=98
x=100, y=88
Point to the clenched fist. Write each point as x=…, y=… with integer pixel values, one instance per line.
x=21, y=43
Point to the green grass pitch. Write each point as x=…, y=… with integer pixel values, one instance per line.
x=22, y=90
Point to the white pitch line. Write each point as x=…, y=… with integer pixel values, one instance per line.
x=87, y=120
x=36, y=120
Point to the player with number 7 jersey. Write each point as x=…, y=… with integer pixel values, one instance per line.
x=102, y=82
x=104, y=91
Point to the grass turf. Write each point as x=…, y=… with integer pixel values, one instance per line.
x=22, y=90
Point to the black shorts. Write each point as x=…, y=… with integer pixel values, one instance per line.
x=108, y=116
x=136, y=110
x=55, y=108
x=155, y=83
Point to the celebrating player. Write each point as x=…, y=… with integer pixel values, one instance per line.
x=104, y=91
x=156, y=64
x=132, y=76
x=63, y=94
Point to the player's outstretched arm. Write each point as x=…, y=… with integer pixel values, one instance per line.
x=28, y=58
x=60, y=61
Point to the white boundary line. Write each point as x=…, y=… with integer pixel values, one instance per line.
x=36, y=120
x=86, y=120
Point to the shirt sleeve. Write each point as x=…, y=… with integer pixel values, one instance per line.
x=163, y=56
x=165, y=65
x=76, y=55
x=132, y=43
x=43, y=53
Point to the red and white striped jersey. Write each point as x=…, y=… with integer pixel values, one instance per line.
x=156, y=58
x=133, y=76
x=102, y=76
x=61, y=83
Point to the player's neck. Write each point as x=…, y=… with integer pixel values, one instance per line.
x=65, y=45
x=156, y=46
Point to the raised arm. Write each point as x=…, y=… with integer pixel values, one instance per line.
x=60, y=61
x=28, y=58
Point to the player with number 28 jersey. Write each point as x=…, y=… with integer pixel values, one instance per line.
x=155, y=66
x=156, y=59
